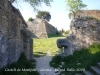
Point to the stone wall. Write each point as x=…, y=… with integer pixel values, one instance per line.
x=85, y=31
x=50, y=29
x=90, y=13
x=41, y=28
x=12, y=41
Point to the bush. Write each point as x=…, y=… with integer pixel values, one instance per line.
x=30, y=19
x=67, y=32
x=82, y=59
x=56, y=61
x=55, y=35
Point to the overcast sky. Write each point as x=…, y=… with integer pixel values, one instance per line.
x=58, y=10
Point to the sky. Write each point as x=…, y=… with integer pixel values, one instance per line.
x=58, y=10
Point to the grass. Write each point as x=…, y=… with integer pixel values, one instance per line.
x=80, y=60
x=20, y=67
x=45, y=45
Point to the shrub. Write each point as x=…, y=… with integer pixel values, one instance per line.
x=30, y=19
x=56, y=61
x=82, y=59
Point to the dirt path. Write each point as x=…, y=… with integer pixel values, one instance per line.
x=43, y=66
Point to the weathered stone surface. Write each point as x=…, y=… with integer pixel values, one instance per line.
x=12, y=41
x=41, y=28
x=90, y=13
x=64, y=43
x=85, y=31
x=28, y=43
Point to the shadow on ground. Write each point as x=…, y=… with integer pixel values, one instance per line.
x=39, y=54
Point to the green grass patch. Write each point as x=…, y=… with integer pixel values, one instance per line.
x=21, y=67
x=80, y=60
x=44, y=46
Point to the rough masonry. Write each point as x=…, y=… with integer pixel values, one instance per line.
x=89, y=13
x=14, y=37
x=85, y=30
x=41, y=28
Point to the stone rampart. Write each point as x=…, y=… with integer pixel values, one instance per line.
x=41, y=28
x=12, y=40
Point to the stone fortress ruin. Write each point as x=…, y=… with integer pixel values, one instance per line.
x=41, y=28
x=14, y=36
x=85, y=30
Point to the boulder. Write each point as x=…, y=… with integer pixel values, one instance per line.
x=66, y=45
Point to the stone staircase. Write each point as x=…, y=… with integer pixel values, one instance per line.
x=95, y=70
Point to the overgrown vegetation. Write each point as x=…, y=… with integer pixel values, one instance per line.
x=30, y=19
x=75, y=6
x=79, y=61
x=44, y=15
x=91, y=18
x=62, y=32
x=55, y=35
x=22, y=67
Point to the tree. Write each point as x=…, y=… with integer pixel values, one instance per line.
x=34, y=3
x=75, y=6
x=67, y=32
x=30, y=19
x=44, y=15
x=62, y=30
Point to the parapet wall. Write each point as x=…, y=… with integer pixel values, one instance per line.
x=90, y=13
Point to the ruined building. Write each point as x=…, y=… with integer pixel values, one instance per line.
x=85, y=32
x=89, y=13
x=41, y=28
x=85, y=29
x=14, y=37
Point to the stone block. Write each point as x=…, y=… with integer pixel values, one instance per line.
x=15, y=47
x=66, y=45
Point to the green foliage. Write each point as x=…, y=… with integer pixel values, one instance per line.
x=91, y=18
x=82, y=59
x=22, y=63
x=56, y=61
x=64, y=33
x=67, y=32
x=75, y=6
x=30, y=19
x=34, y=3
x=55, y=35
x=44, y=15
x=62, y=30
